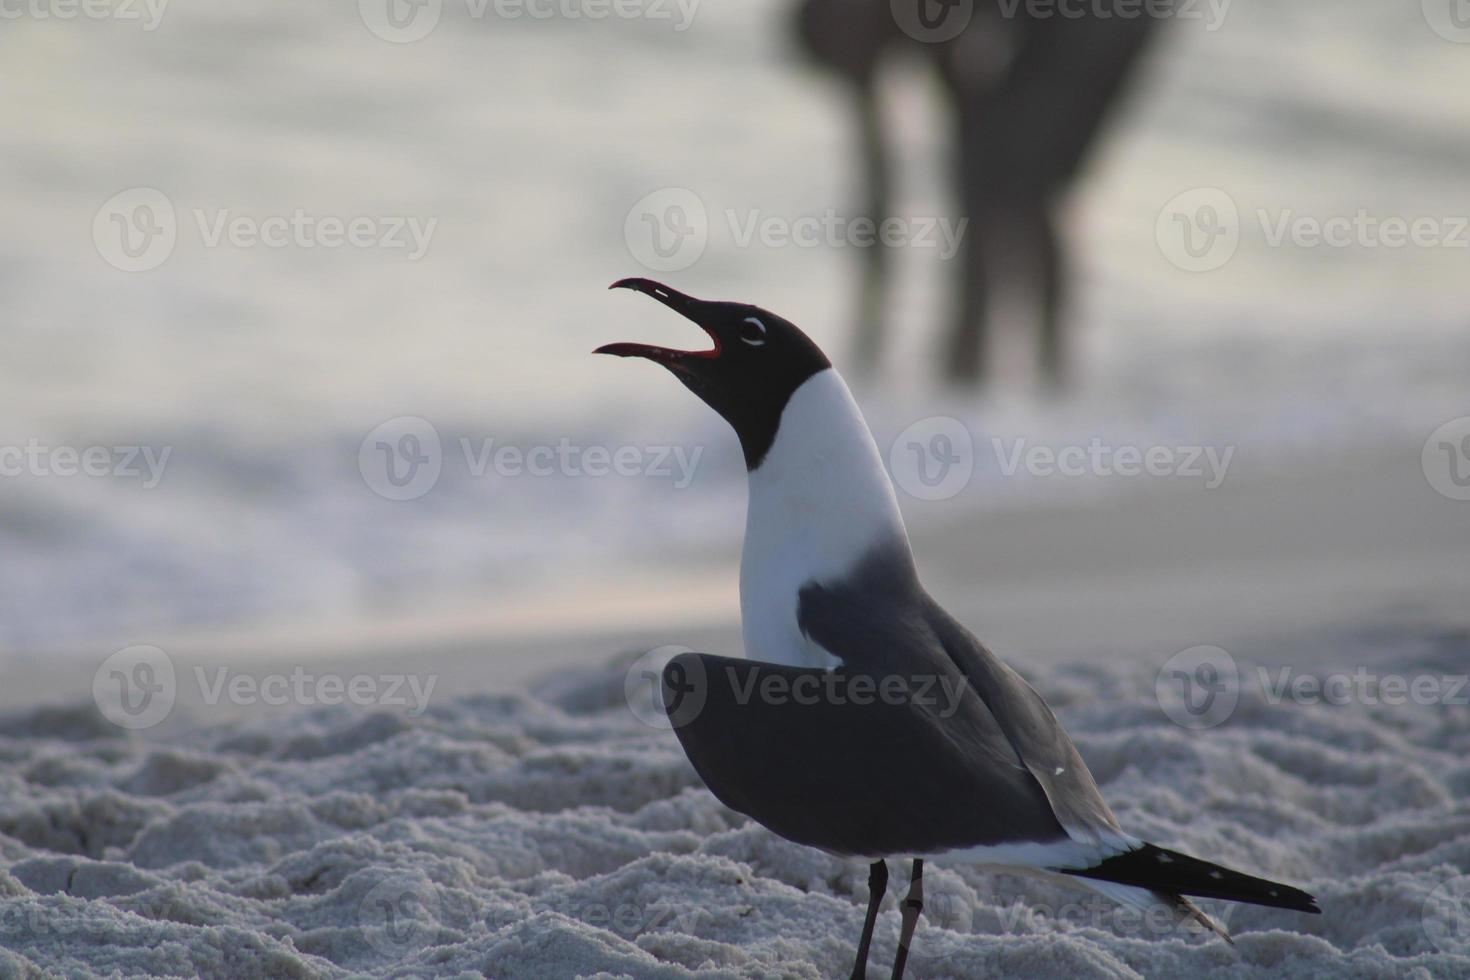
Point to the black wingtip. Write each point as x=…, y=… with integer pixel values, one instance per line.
x=1163, y=870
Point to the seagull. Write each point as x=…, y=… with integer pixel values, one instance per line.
x=865, y=720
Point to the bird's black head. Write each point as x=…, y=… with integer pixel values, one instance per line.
x=757, y=361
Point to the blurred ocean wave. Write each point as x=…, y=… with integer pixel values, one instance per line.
x=263, y=370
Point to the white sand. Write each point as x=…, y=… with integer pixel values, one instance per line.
x=558, y=836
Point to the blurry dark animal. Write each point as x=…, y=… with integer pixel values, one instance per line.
x=1028, y=95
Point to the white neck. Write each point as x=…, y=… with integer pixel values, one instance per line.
x=819, y=502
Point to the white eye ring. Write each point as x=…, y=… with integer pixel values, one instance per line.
x=759, y=338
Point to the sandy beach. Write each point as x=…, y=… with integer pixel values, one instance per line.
x=525, y=819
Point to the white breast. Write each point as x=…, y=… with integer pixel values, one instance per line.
x=819, y=501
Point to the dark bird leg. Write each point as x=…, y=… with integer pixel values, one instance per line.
x=877, y=887
x=911, y=906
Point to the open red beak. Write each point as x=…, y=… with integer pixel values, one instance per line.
x=687, y=306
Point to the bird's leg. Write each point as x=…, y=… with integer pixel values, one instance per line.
x=911, y=906
x=877, y=887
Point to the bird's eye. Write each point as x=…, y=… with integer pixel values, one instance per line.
x=752, y=331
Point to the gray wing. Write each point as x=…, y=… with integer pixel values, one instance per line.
x=878, y=778
x=1034, y=732
x=881, y=620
